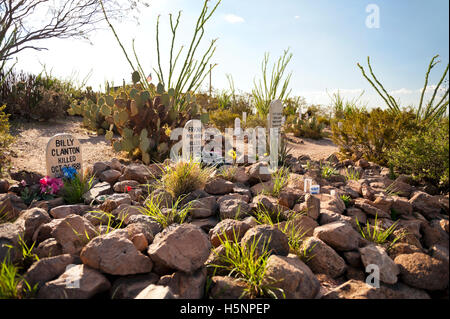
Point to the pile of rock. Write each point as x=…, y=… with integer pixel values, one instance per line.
x=80, y=257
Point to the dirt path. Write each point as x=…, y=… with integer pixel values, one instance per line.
x=31, y=139
x=316, y=149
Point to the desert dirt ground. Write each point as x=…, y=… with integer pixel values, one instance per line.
x=28, y=149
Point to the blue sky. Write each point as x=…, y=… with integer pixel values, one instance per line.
x=327, y=38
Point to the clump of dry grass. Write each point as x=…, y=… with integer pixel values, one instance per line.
x=183, y=178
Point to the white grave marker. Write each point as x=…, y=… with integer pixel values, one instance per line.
x=244, y=117
x=63, y=150
x=192, y=140
x=275, y=122
x=275, y=114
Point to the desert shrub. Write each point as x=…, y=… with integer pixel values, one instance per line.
x=255, y=120
x=323, y=121
x=371, y=134
x=5, y=138
x=37, y=97
x=183, y=178
x=379, y=235
x=223, y=100
x=248, y=265
x=223, y=118
x=309, y=128
x=75, y=185
x=341, y=108
x=165, y=217
x=241, y=103
x=292, y=105
x=10, y=278
x=424, y=155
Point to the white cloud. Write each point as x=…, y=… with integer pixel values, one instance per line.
x=297, y=17
x=402, y=91
x=232, y=18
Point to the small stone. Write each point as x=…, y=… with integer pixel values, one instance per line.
x=110, y=176
x=291, y=275
x=115, y=254
x=203, y=207
x=96, y=191
x=156, y=292
x=130, y=286
x=325, y=260
x=228, y=228
x=73, y=233
x=225, y=287
x=270, y=237
x=219, y=186
x=125, y=186
x=66, y=210
x=340, y=236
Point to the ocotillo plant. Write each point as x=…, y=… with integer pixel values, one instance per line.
x=193, y=72
x=264, y=91
x=425, y=115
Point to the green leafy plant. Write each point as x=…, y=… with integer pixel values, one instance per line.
x=265, y=217
x=352, y=174
x=74, y=188
x=10, y=278
x=5, y=137
x=377, y=234
x=346, y=199
x=424, y=155
x=112, y=222
x=274, y=85
x=28, y=256
x=371, y=134
x=248, y=265
x=28, y=196
x=307, y=128
x=280, y=179
x=327, y=171
x=177, y=214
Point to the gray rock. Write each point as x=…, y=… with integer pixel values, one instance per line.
x=78, y=282
x=376, y=255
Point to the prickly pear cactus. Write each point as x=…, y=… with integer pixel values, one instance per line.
x=144, y=118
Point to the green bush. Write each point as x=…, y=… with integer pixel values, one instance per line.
x=310, y=128
x=37, y=97
x=424, y=155
x=5, y=138
x=223, y=118
x=371, y=134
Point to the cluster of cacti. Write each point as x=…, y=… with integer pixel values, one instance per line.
x=142, y=118
x=91, y=113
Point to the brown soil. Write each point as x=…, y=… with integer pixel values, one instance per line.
x=28, y=150
x=316, y=149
